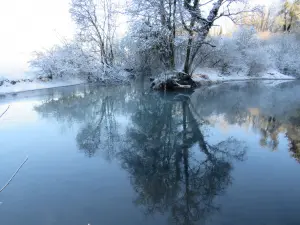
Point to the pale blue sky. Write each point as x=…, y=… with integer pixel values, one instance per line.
x=29, y=25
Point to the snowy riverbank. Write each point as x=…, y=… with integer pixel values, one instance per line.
x=207, y=77
x=201, y=76
x=215, y=76
x=29, y=85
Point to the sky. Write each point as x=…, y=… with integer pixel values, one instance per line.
x=27, y=26
x=32, y=25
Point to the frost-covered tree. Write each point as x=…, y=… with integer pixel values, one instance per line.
x=96, y=23
x=71, y=61
x=243, y=53
x=159, y=25
x=285, y=52
x=263, y=19
x=289, y=14
x=91, y=55
x=197, y=22
x=153, y=28
x=282, y=16
x=65, y=61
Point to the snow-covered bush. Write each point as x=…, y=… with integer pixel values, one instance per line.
x=254, y=58
x=241, y=53
x=147, y=47
x=226, y=56
x=71, y=61
x=62, y=61
x=285, y=51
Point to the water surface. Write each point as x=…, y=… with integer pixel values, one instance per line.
x=227, y=154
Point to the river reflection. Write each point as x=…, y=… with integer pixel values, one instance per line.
x=268, y=112
x=177, y=164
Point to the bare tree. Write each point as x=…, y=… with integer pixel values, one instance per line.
x=262, y=20
x=196, y=19
x=157, y=21
x=290, y=11
x=96, y=27
x=198, y=26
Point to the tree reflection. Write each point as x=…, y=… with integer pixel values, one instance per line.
x=101, y=130
x=160, y=156
x=174, y=166
x=265, y=111
x=96, y=111
x=269, y=129
x=246, y=105
x=293, y=135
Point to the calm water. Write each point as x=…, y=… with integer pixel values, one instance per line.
x=223, y=155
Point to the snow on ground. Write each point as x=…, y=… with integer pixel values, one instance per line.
x=273, y=83
x=203, y=74
x=35, y=85
x=214, y=75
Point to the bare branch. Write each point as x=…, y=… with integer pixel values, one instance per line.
x=5, y=111
x=8, y=182
x=206, y=3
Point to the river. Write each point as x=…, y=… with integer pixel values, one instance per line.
x=222, y=155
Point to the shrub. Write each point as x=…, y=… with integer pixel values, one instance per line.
x=285, y=51
x=243, y=53
x=71, y=61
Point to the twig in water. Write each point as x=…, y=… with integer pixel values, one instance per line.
x=14, y=174
x=5, y=111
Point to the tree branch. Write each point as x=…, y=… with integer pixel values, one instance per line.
x=5, y=111
x=14, y=175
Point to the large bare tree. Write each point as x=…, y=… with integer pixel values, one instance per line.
x=154, y=24
x=96, y=24
x=290, y=12
x=197, y=22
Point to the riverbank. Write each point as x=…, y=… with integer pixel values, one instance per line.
x=207, y=77
x=203, y=77
x=8, y=87
x=215, y=76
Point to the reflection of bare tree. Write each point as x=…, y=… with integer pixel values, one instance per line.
x=96, y=110
x=101, y=131
x=269, y=129
x=268, y=111
x=165, y=172
x=68, y=108
x=293, y=135
x=173, y=166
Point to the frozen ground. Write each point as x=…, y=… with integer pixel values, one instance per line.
x=7, y=87
x=214, y=75
x=199, y=75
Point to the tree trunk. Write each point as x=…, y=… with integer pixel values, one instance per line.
x=186, y=68
x=290, y=24
x=184, y=79
x=172, y=54
x=173, y=34
x=285, y=22
x=185, y=161
x=202, y=33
